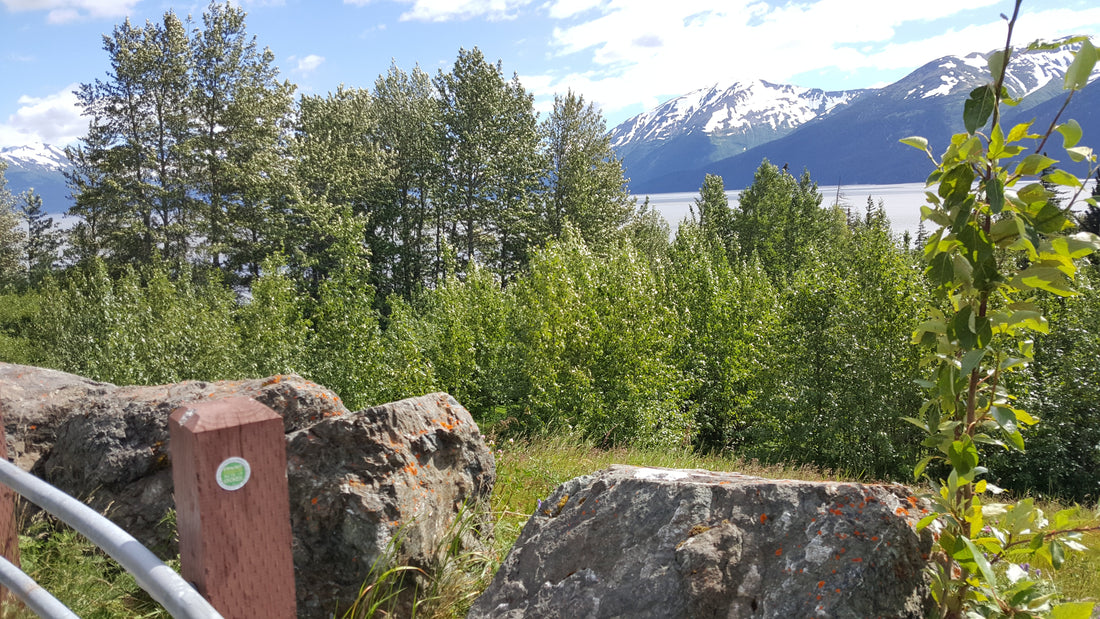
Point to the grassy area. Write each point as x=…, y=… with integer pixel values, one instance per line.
x=94, y=586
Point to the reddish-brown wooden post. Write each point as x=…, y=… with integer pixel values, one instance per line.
x=9, y=532
x=233, y=506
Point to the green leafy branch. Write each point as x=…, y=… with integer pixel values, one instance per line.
x=1001, y=240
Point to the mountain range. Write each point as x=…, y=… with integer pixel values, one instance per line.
x=846, y=137
x=842, y=137
x=41, y=167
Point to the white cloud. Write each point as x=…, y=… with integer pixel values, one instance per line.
x=306, y=65
x=562, y=9
x=61, y=11
x=53, y=119
x=448, y=10
x=640, y=51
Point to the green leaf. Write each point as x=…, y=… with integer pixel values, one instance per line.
x=978, y=108
x=918, y=142
x=1019, y=132
x=917, y=422
x=1005, y=418
x=942, y=269
x=1057, y=554
x=984, y=330
x=927, y=520
x=1071, y=133
x=971, y=360
x=1032, y=193
x=995, y=194
x=919, y=469
x=961, y=330
x=1076, y=246
x=1061, y=177
x=1029, y=319
x=1079, y=71
x=978, y=559
x=1034, y=164
x=997, y=63
x=1080, y=153
x=1072, y=610
x=963, y=455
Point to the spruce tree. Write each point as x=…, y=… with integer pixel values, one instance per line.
x=1089, y=221
x=43, y=241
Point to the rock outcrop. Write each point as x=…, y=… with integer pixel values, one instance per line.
x=356, y=478
x=646, y=542
x=357, y=481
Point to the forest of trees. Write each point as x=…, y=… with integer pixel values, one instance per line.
x=434, y=234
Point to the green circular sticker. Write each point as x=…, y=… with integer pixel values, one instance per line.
x=233, y=473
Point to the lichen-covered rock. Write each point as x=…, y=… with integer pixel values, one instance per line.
x=355, y=478
x=108, y=445
x=357, y=482
x=646, y=542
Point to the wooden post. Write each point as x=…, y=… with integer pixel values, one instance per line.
x=233, y=506
x=9, y=532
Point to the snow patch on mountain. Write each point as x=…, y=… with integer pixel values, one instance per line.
x=1028, y=71
x=35, y=155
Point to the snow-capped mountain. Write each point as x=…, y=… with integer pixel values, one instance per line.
x=1030, y=73
x=35, y=155
x=719, y=121
x=846, y=137
x=40, y=167
x=724, y=109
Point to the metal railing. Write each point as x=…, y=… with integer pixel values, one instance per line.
x=162, y=583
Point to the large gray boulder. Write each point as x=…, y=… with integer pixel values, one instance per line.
x=647, y=542
x=387, y=478
x=356, y=478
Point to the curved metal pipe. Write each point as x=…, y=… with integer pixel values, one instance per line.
x=30, y=593
x=162, y=582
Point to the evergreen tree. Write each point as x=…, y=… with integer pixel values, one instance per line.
x=185, y=145
x=712, y=212
x=1089, y=221
x=42, y=240
x=649, y=233
x=132, y=162
x=779, y=218
x=340, y=168
x=587, y=187
x=91, y=205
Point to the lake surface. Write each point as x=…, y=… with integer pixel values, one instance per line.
x=902, y=202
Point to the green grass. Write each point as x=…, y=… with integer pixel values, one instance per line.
x=94, y=586
x=80, y=575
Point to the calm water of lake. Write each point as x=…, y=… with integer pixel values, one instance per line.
x=902, y=202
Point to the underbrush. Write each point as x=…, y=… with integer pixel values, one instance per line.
x=93, y=585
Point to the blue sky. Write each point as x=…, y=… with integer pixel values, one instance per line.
x=626, y=55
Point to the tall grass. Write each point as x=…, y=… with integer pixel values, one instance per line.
x=93, y=585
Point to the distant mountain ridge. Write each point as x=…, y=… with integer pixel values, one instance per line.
x=41, y=167
x=720, y=121
x=852, y=142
